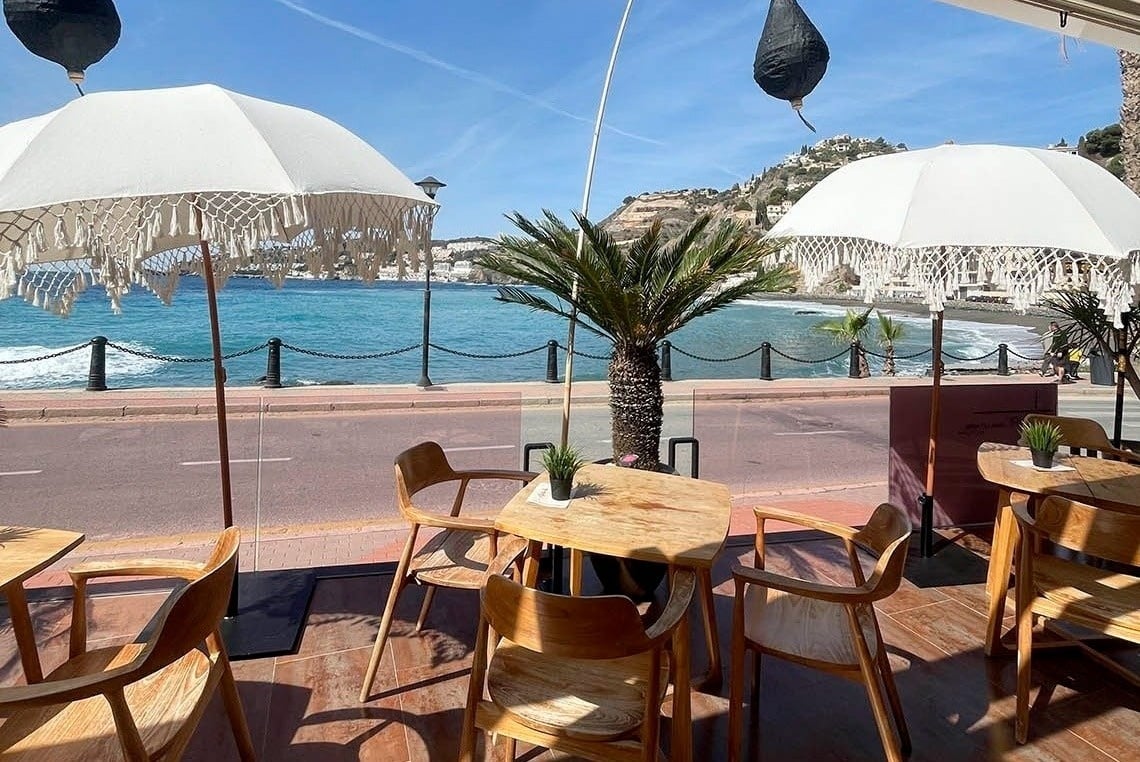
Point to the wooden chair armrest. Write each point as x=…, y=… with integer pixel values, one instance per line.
x=443, y=521
x=64, y=691
x=1127, y=456
x=681, y=589
x=746, y=575
x=140, y=567
x=804, y=520
x=492, y=473
x=510, y=548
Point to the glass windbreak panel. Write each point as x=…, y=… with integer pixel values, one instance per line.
x=140, y=477
x=590, y=429
x=328, y=493
x=766, y=448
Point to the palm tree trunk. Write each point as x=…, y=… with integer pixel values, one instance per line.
x=864, y=366
x=889, y=361
x=636, y=405
x=1130, y=117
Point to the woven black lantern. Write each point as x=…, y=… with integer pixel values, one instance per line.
x=792, y=55
x=73, y=33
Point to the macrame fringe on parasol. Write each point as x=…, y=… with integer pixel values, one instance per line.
x=1026, y=274
x=51, y=255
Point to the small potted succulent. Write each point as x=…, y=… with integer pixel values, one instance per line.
x=561, y=463
x=1042, y=438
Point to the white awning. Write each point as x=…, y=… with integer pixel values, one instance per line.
x=1115, y=23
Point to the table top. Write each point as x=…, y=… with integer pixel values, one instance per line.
x=1098, y=481
x=25, y=551
x=629, y=513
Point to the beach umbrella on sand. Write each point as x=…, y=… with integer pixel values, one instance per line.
x=134, y=189
x=1025, y=220
x=1115, y=23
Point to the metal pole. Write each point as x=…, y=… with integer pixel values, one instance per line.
x=219, y=396
x=569, y=383
x=926, y=499
x=1118, y=411
x=424, y=381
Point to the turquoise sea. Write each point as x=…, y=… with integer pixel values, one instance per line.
x=351, y=318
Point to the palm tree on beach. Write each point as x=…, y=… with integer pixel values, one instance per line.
x=633, y=295
x=847, y=330
x=890, y=332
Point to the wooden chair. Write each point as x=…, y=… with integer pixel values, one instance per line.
x=1085, y=437
x=1050, y=587
x=140, y=701
x=829, y=627
x=456, y=557
x=579, y=675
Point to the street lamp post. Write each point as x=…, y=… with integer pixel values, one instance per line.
x=430, y=186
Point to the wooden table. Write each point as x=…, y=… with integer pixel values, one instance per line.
x=641, y=515
x=1104, y=483
x=25, y=552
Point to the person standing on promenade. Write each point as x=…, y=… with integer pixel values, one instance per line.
x=1058, y=353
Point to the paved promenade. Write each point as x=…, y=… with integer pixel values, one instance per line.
x=136, y=469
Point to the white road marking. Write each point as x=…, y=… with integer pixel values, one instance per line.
x=478, y=447
x=811, y=433
x=232, y=461
x=22, y=473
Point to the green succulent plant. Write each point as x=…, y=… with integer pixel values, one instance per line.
x=562, y=462
x=1041, y=436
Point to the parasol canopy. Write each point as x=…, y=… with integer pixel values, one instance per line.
x=1115, y=23
x=1023, y=219
x=118, y=188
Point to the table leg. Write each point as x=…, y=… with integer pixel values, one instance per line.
x=997, y=577
x=682, y=727
x=711, y=681
x=576, y=559
x=25, y=634
x=530, y=564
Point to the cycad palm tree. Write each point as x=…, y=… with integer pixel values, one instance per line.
x=847, y=330
x=634, y=296
x=890, y=332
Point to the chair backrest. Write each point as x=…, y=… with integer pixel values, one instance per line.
x=1077, y=433
x=195, y=611
x=418, y=468
x=886, y=535
x=596, y=627
x=1111, y=535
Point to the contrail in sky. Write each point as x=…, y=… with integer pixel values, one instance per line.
x=458, y=71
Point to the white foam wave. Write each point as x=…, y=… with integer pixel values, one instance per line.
x=70, y=369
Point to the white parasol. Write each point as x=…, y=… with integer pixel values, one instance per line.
x=1115, y=23
x=1023, y=219
x=124, y=189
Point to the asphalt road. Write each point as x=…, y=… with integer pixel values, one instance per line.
x=160, y=477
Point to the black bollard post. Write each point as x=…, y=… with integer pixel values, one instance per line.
x=766, y=361
x=853, y=366
x=1003, y=359
x=666, y=360
x=273, y=365
x=97, y=370
x=552, y=362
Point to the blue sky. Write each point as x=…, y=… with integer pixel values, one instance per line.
x=497, y=97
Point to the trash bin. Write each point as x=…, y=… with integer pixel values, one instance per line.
x=1101, y=370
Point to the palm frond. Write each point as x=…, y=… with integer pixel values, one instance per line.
x=890, y=331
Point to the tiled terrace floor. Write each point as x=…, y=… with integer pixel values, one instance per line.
x=958, y=704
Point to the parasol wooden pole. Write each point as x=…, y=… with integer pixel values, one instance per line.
x=926, y=499
x=219, y=397
x=568, y=383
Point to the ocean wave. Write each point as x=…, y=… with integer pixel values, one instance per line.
x=70, y=369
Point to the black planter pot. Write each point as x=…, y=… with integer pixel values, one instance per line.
x=560, y=488
x=1042, y=459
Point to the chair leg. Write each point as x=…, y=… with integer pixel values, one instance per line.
x=1024, y=595
x=754, y=694
x=232, y=702
x=736, y=679
x=892, y=692
x=874, y=692
x=429, y=595
x=398, y=582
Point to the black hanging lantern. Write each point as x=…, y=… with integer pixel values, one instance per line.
x=792, y=55
x=73, y=33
